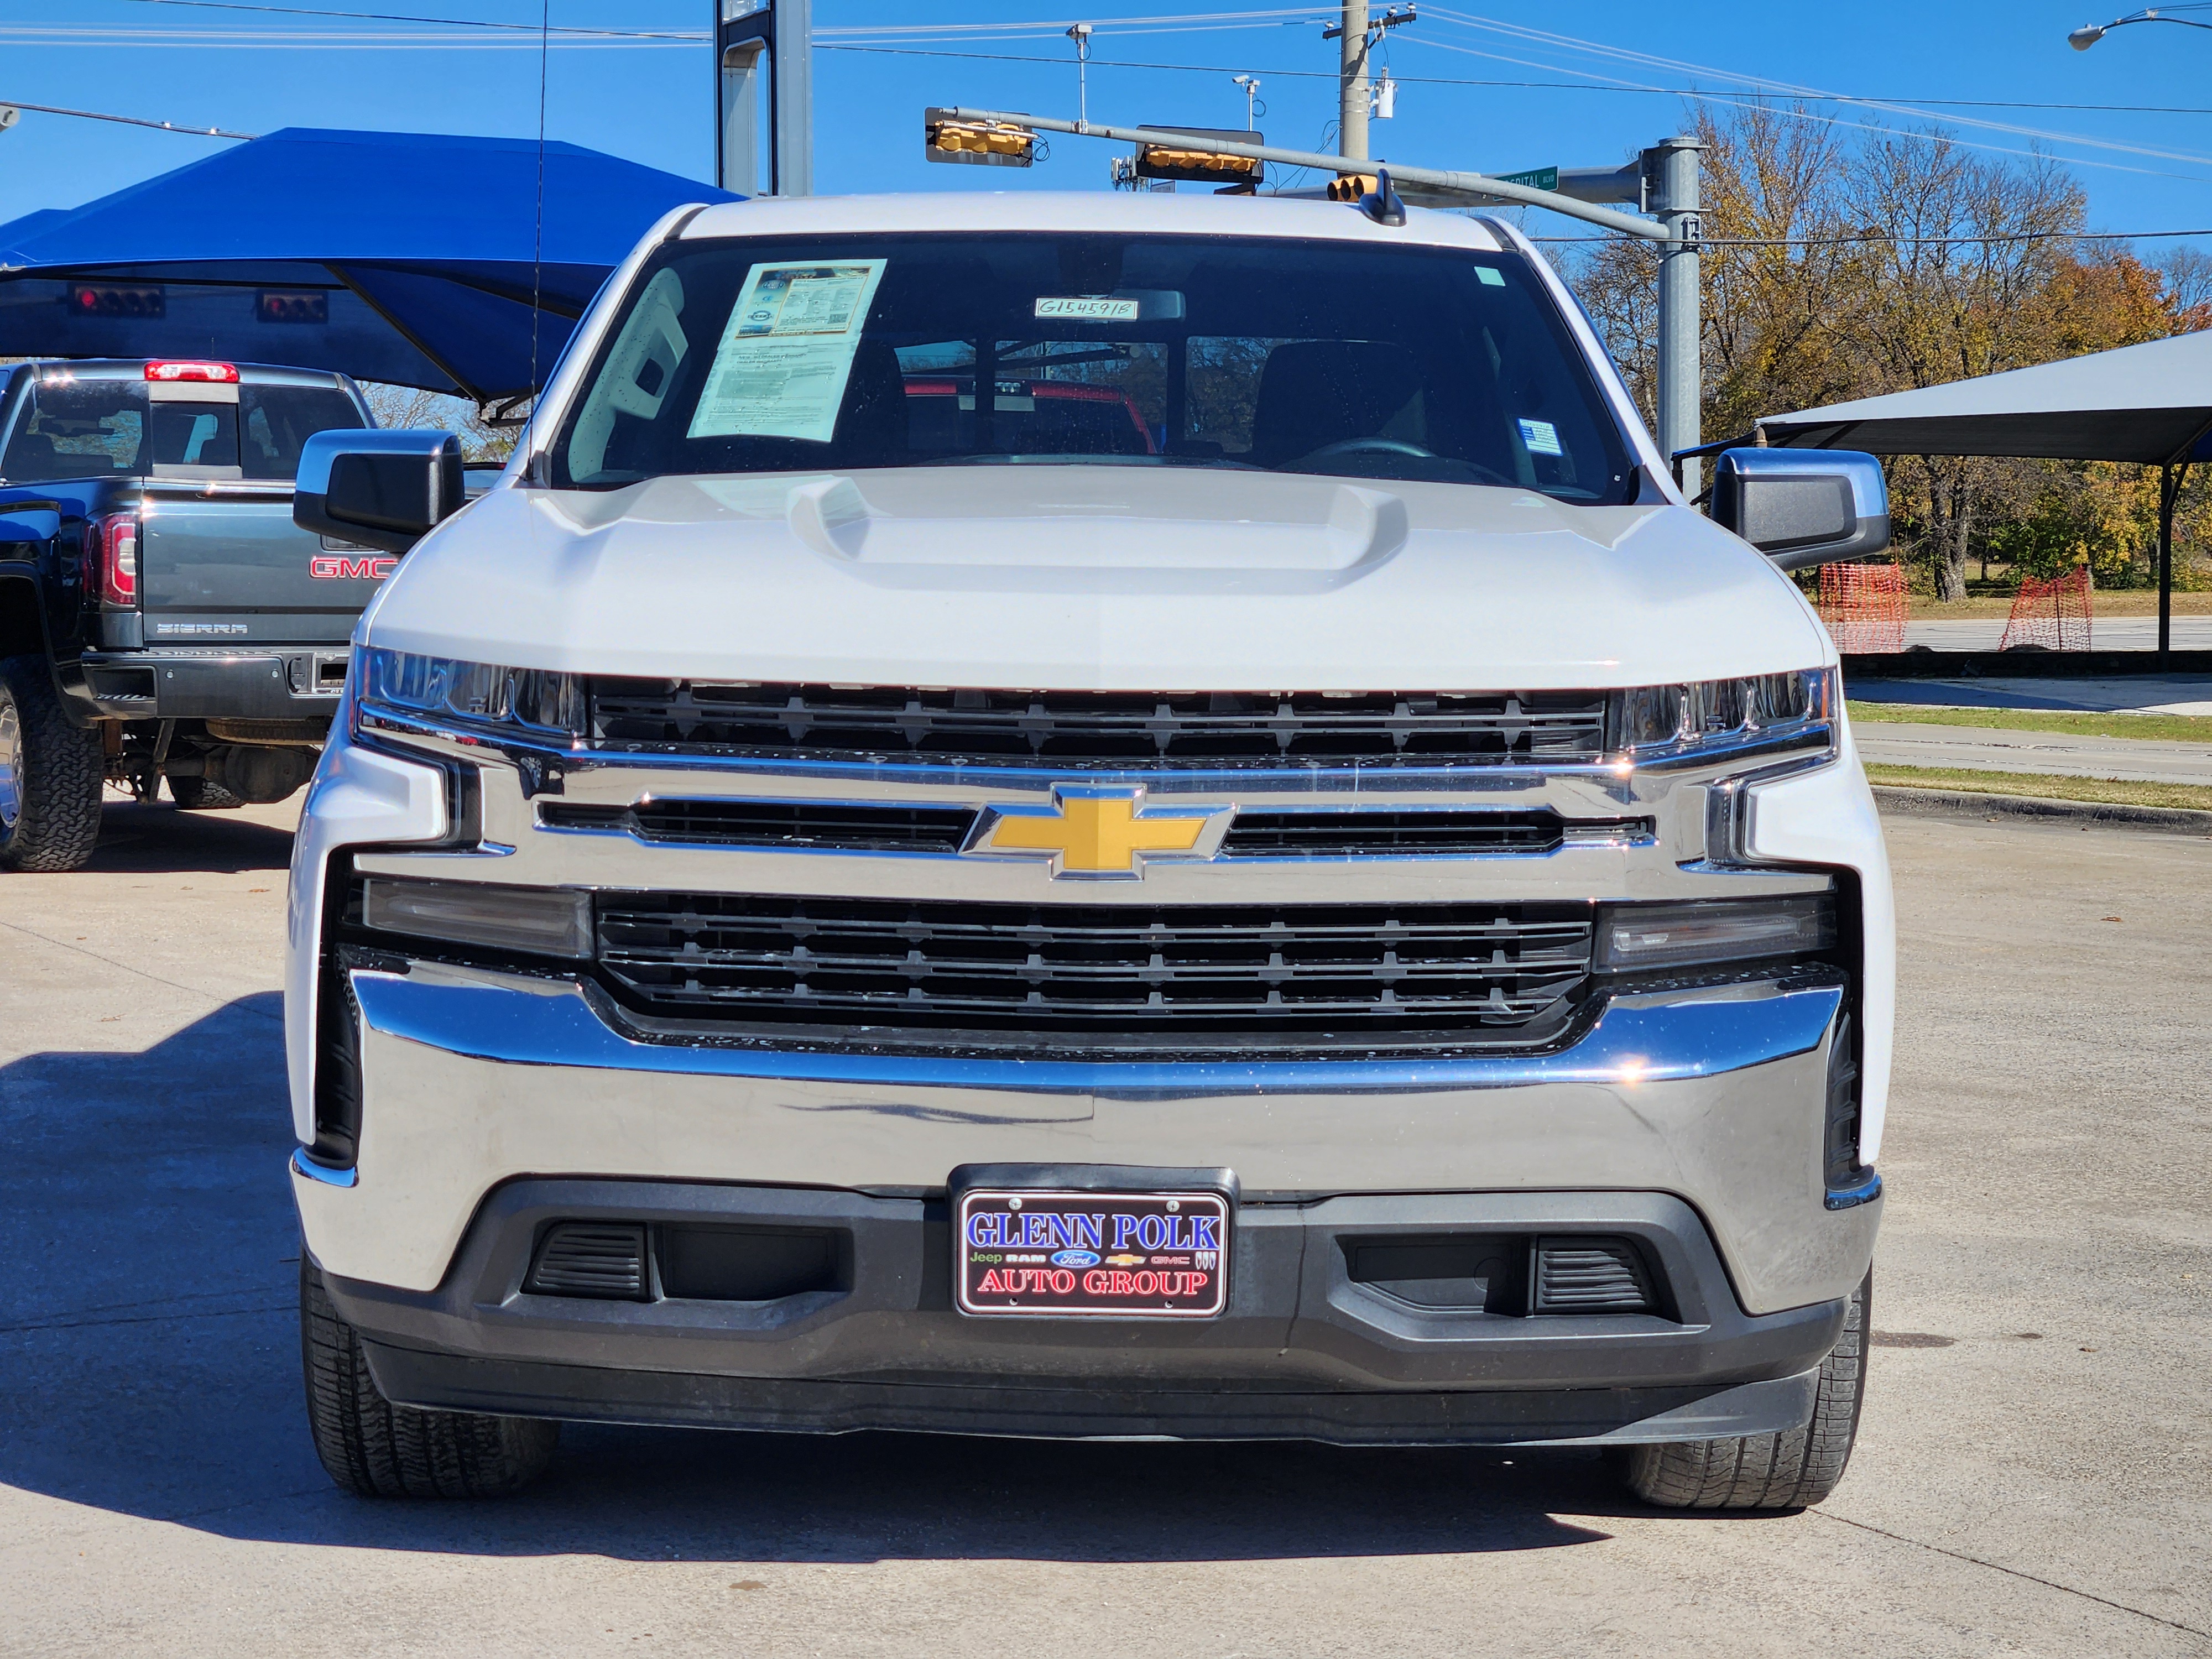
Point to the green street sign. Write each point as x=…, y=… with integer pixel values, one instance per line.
x=1535, y=178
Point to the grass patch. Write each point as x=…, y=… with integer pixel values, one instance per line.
x=2105, y=792
x=2108, y=602
x=2173, y=728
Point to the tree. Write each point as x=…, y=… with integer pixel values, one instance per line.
x=412, y=406
x=1838, y=268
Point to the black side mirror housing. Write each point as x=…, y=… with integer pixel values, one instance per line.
x=385, y=489
x=1804, y=507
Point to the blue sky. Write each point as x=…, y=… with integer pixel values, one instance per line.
x=255, y=70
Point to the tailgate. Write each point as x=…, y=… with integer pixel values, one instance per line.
x=226, y=565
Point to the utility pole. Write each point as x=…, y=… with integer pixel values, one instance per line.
x=1352, y=83
x=764, y=96
x=1675, y=199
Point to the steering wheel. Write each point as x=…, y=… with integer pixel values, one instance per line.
x=1367, y=447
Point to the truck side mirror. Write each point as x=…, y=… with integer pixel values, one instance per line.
x=1801, y=506
x=384, y=489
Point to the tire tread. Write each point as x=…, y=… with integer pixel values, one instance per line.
x=374, y=1448
x=1788, y=1470
x=64, y=772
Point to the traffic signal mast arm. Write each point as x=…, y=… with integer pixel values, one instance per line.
x=1472, y=185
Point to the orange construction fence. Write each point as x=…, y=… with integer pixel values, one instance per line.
x=1864, y=606
x=2053, y=615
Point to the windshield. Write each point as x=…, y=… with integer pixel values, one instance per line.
x=96, y=427
x=1423, y=363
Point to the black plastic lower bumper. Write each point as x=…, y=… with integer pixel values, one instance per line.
x=279, y=684
x=1302, y=1351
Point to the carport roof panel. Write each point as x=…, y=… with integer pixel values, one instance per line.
x=2149, y=403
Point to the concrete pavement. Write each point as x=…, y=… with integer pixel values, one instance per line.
x=2032, y=1476
x=2185, y=693
x=2106, y=632
x=1991, y=749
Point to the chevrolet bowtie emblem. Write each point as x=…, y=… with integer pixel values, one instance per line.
x=1099, y=831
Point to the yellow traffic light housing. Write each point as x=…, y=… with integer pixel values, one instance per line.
x=979, y=143
x=1180, y=159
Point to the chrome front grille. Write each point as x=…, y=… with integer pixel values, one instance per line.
x=1062, y=978
x=1064, y=729
x=1258, y=832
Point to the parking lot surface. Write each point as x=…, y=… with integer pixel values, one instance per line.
x=2031, y=1475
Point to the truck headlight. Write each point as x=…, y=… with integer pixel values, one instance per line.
x=1636, y=937
x=472, y=697
x=1781, y=712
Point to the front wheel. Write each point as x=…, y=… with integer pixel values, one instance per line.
x=377, y=1450
x=1785, y=1471
x=51, y=774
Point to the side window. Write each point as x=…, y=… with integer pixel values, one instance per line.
x=639, y=372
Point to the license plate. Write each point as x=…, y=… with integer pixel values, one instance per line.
x=1134, y=1256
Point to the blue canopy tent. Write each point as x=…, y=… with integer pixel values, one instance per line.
x=415, y=259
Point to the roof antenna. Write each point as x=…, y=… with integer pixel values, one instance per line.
x=1383, y=204
x=539, y=470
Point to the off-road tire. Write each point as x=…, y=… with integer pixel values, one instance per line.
x=59, y=791
x=1769, y=1471
x=377, y=1450
x=199, y=795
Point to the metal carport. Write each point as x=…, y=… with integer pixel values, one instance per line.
x=2149, y=404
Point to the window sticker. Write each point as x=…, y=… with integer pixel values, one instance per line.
x=1089, y=307
x=787, y=353
x=1541, y=437
x=1489, y=276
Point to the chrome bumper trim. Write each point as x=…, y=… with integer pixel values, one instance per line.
x=1636, y=1039
x=321, y=1173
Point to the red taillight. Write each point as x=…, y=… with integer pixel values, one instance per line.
x=111, y=557
x=222, y=373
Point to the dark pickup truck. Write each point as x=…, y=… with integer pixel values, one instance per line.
x=160, y=615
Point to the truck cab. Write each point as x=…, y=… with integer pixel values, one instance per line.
x=1103, y=817
x=176, y=624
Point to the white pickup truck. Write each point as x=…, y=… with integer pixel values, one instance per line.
x=1099, y=817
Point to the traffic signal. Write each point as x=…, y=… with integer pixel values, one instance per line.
x=983, y=143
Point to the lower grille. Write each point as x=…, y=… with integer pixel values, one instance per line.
x=891, y=973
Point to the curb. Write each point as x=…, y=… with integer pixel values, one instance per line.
x=1954, y=802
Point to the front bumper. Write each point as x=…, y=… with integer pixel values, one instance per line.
x=1302, y=1351
x=471, y=1079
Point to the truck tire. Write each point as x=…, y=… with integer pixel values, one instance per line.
x=199, y=795
x=51, y=774
x=374, y=1448
x=1769, y=1471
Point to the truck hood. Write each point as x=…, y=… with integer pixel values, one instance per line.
x=1095, y=577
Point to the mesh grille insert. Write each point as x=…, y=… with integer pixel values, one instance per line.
x=1061, y=728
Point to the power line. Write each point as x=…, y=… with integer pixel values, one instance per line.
x=1467, y=80
x=402, y=17
x=1873, y=236
x=128, y=120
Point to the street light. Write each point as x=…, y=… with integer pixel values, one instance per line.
x=2089, y=34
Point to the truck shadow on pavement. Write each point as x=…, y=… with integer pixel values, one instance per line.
x=150, y=1366
x=158, y=839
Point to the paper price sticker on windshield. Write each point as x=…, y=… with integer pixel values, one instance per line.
x=786, y=351
x=1133, y=1256
x=1087, y=309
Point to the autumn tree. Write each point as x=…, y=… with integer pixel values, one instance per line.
x=1840, y=265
